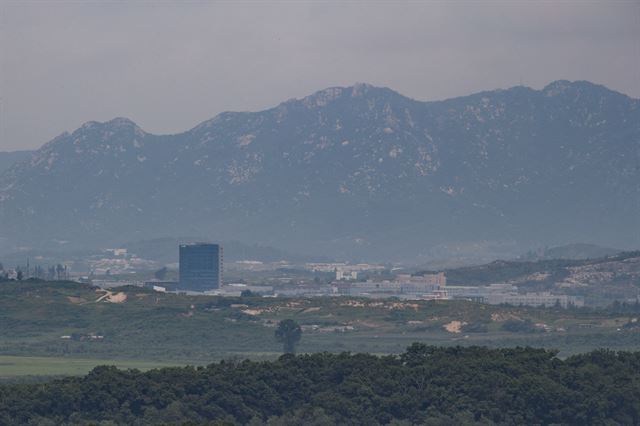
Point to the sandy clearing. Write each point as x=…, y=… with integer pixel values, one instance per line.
x=454, y=326
x=117, y=298
x=112, y=297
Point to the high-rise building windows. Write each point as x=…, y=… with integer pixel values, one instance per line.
x=200, y=266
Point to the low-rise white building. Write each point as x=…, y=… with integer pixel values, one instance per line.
x=404, y=286
x=535, y=299
x=342, y=275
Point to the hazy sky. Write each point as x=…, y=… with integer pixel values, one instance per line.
x=169, y=65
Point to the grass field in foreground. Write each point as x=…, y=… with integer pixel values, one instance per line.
x=15, y=366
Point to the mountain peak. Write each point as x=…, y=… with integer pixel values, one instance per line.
x=560, y=87
x=121, y=122
x=326, y=96
x=323, y=97
x=117, y=122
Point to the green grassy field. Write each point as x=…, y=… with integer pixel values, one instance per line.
x=60, y=321
x=14, y=366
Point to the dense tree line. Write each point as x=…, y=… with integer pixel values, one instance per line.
x=425, y=385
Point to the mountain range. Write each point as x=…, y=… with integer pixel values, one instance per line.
x=349, y=172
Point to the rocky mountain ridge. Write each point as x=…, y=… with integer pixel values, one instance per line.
x=9, y=158
x=360, y=172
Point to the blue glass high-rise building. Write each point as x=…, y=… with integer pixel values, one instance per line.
x=200, y=266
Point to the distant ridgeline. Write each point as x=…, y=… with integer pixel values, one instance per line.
x=624, y=266
x=424, y=385
x=357, y=171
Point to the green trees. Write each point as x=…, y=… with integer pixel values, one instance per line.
x=426, y=385
x=289, y=334
x=247, y=293
x=161, y=273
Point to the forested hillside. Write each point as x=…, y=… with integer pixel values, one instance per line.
x=424, y=385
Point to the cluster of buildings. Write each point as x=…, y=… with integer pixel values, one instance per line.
x=536, y=299
x=433, y=286
x=201, y=271
x=343, y=267
x=404, y=286
x=117, y=262
x=508, y=294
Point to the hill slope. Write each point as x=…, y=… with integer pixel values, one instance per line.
x=601, y=281
x=572, y=251
x=137, y=323
x=8, y=159
x=356, y=171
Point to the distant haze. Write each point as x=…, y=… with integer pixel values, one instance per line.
x=169, y=65
x=354, y=173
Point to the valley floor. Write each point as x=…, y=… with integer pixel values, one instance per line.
x=61, y=328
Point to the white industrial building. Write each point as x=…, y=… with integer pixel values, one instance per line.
x=535, y=299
